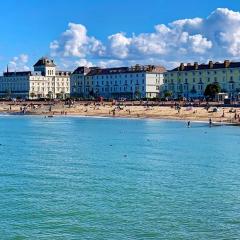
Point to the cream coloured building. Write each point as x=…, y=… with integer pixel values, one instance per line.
x=191, y=80
x=44, y=82
x=123, y=82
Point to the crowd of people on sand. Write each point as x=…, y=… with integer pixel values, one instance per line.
x=173, y=110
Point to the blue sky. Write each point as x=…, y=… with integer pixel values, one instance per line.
x=29, y=26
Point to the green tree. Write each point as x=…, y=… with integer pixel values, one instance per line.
x=8, y=93
x=137, y=94
x=50, y=94
x=32, y=95
x=212, y=90
x=168, y=94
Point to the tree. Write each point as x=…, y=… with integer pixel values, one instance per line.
x=137, y=94
x=168, y=94
x=62, y=95
x=212, y=90
x=8, y=93
x=32, y=95
x=50, y=94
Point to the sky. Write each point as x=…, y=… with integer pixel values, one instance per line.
x=110, y=33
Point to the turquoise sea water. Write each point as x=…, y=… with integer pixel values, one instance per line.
x=94, y=178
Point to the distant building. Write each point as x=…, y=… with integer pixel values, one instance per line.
x=44, y=82
x=191, y=80
x=123, y=82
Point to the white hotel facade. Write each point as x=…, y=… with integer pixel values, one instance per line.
x=123, y=82
x=44, y=82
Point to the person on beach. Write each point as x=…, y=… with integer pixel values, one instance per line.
x=210, y=122
x=179, y=108
x=188, y=124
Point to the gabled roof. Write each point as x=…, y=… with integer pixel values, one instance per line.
x=45, y=62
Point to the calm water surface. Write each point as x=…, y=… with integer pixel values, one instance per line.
x=93, y=178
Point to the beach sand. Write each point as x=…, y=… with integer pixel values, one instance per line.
x=224, y=115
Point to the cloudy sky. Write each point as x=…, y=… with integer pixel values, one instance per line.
x=118, y=33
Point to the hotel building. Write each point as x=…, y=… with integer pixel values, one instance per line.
x=191, y=80
x=44, y=82
x=124, y=82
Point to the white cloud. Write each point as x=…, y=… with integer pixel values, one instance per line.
x=110, y=63
x=199, y=44
x=19, y=63
x=119, y=45
x=198, y=39
x=84, y=62
x=75, y=42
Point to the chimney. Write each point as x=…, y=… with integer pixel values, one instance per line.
x=226, y=63
x=195, y=65
x=210, y=64
x=181, y=66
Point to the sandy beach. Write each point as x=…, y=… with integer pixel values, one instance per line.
x=189, y=113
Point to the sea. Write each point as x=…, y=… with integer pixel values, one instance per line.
x=112, y=178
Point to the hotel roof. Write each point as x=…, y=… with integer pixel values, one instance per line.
x=103, y=71
x=45, y=62
x=17, y=74
x=210, y=65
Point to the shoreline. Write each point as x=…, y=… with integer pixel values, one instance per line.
x=162, y=118
x=221, y=115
